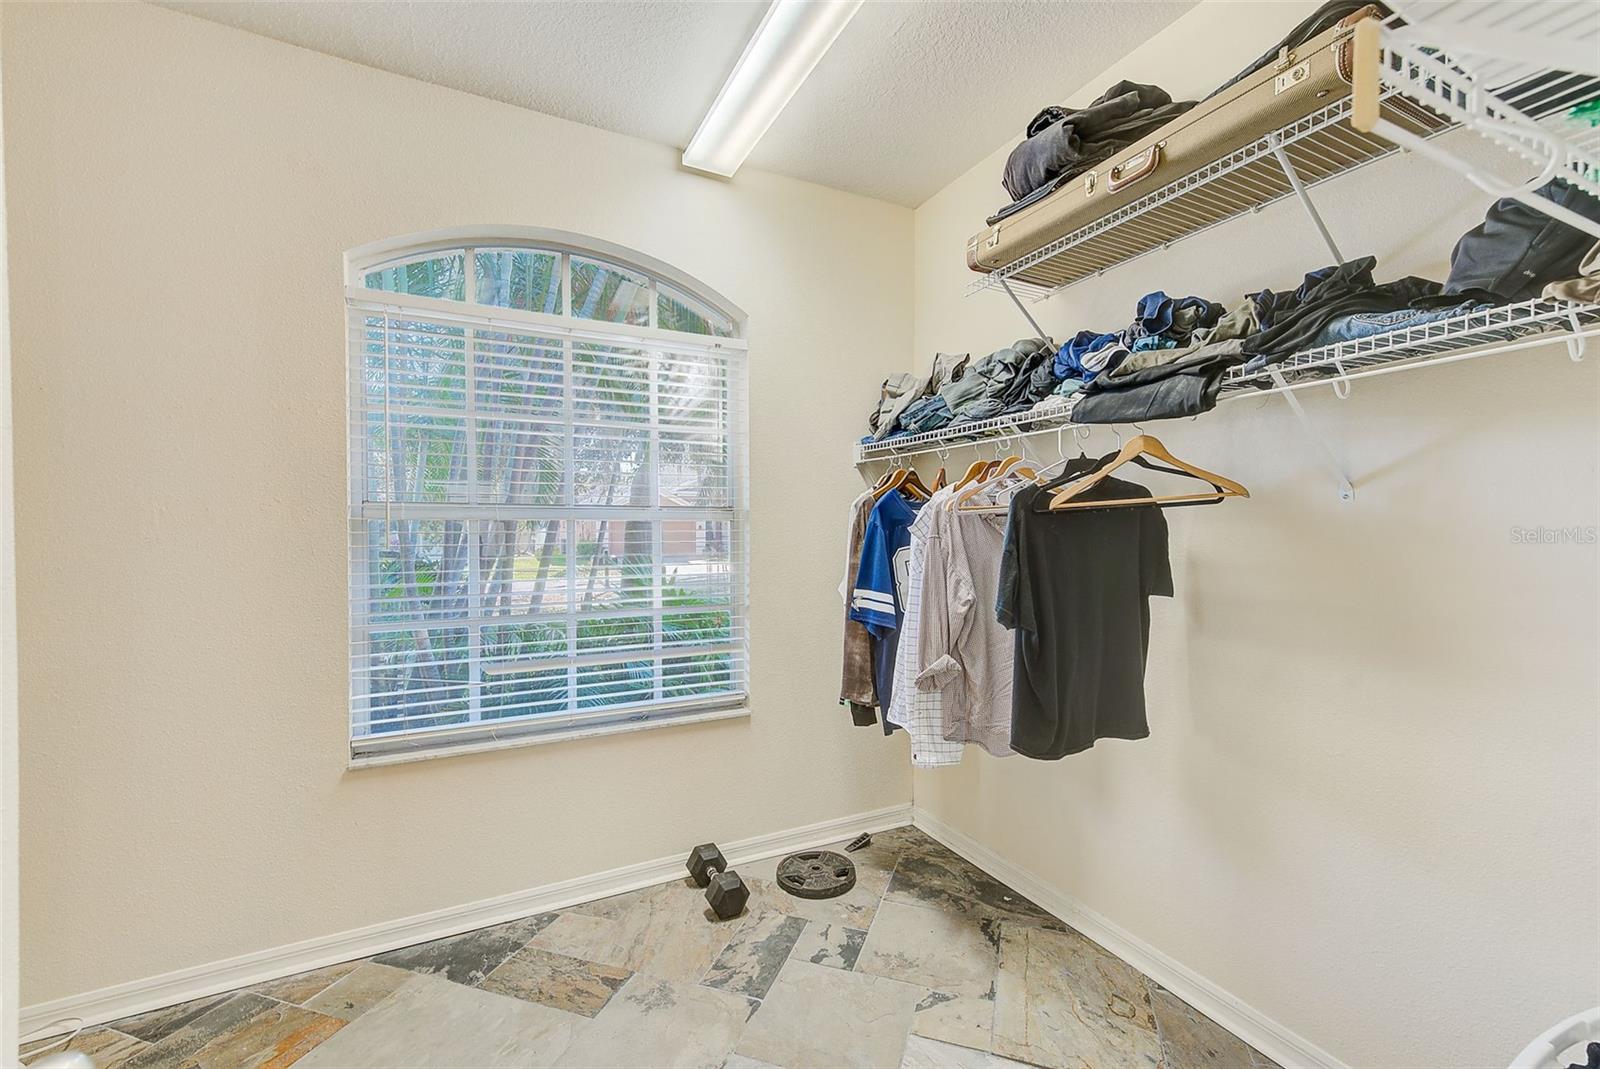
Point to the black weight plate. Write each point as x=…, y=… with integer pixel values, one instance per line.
x=816, y=874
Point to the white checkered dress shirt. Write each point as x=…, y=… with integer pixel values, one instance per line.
x=920, y=712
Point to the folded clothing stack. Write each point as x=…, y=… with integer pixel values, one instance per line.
x=1064, y=142
x=1176, y=347
x=1169, y=361
x=903, y=396
x=960, y=391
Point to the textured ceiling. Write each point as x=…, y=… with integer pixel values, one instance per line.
x=911, y=95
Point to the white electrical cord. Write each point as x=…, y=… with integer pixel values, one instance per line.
x=64, y=1059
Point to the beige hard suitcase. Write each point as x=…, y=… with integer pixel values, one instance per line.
x=1301, y=82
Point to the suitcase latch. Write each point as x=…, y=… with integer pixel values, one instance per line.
x=993, y=239
x=1285, y=59
x=1292, y=77
x=1088, y=183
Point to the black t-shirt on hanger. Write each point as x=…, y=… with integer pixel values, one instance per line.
x=1073, y=586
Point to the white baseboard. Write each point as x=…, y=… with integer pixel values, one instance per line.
x=182, y=985
x=169, y=989
x=1249, y=1024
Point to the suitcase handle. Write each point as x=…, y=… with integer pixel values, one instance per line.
x=1344, y=47
x=1133, y=169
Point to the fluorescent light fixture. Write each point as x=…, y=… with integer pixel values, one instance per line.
x=792, y=38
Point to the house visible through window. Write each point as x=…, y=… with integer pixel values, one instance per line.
x=546, y=496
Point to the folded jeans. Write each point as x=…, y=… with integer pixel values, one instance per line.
x=928, y=414
x=1367, y=324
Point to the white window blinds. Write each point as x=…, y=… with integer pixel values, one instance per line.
x=546, y=521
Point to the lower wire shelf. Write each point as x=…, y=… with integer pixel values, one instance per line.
x=1502, y=329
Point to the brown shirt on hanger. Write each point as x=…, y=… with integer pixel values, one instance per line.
x=856, y=689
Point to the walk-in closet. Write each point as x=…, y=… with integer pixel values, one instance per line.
x=791, y=534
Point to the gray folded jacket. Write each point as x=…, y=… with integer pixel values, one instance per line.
x=900, y=390
x=948, y=368
x=981, y=391
x=894, y=396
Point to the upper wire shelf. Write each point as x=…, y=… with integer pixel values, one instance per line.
x=1320, y=146
x=1503, y=329
x=1510, y=70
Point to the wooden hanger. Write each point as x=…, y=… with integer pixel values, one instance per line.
x=1006, y=465
x=940, y=479
x=981, y=471
x=881, y=487
x=903, y=479
x=1075, y=468
x=1138, y=447
x=974, y=473
x=990, y=471
x=1010, y=466
x=914, y=485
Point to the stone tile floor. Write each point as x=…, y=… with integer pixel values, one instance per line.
x=928, y=962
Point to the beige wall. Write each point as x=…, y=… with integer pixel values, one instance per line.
x=9, y=793
x=181, y=196
x=1367, y=805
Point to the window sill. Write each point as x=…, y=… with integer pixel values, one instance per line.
x=432, y=752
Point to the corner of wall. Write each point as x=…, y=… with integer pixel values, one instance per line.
x=9, y=794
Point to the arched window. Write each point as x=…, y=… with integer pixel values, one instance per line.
x=546, y=493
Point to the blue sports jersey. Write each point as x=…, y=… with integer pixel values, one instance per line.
x=878, y=598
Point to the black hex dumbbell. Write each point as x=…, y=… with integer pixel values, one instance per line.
x=725, y=891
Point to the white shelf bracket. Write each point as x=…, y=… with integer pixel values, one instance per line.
x=1579, y=341
x=1038, y=331
x=1299, y=188
x=1341, y=385
x=1523, y=192
x=1347, y=490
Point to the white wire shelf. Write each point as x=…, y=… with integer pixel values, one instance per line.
x=1510, y=70
x=1504, y=329
x=1320, y=146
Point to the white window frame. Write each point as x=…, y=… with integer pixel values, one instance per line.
x=480, y=735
